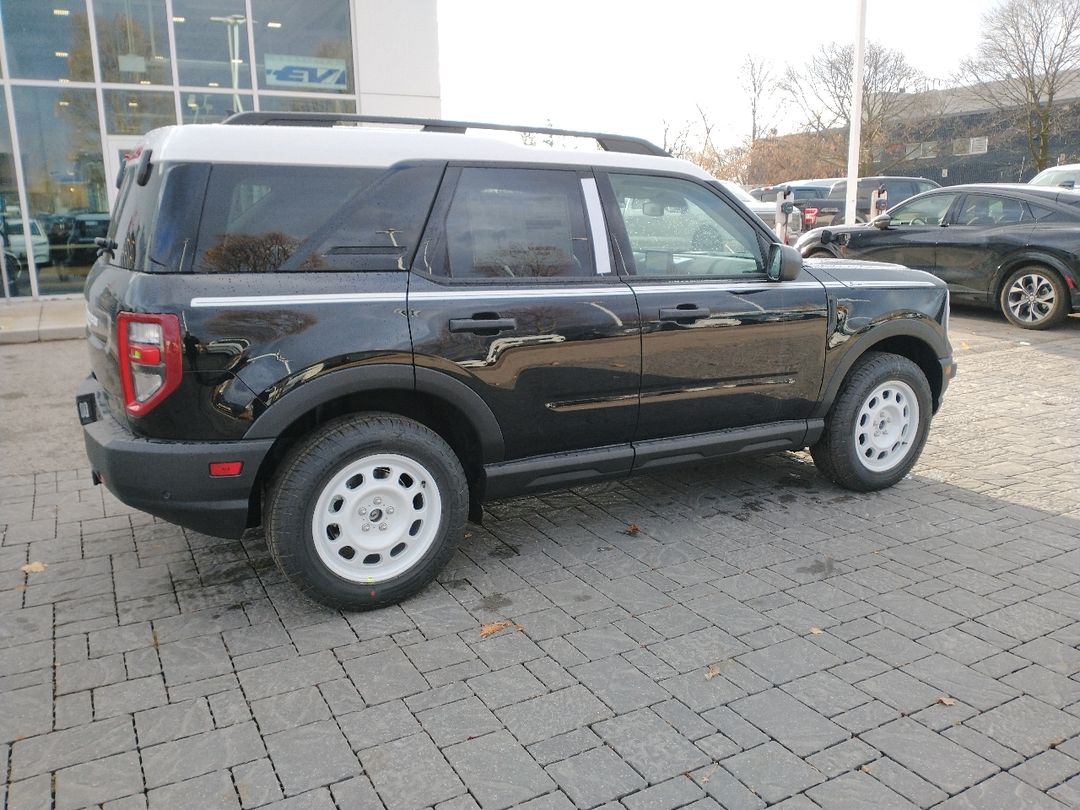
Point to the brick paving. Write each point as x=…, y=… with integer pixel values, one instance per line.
x=765, y=639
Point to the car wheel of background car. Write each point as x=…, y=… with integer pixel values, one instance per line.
x=1034, y=297
x=819, y=254
x=366, y=511
x=878, y=424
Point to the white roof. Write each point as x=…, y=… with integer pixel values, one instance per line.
x=372, y=147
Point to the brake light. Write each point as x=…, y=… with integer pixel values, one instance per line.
x=148, y=346
x=809, y=217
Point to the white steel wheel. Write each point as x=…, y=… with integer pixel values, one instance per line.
x=1031, y=297
x=376, y=518
x=887, y=426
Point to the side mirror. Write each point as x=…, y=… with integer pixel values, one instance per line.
x=1067, y=184
x=826, y=236
x=652, y=209
x=785, y=263
x=881, y=221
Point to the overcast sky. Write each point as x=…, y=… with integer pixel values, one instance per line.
x=627, y=66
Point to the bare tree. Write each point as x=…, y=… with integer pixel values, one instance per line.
x=822, y=88
x=676, y=142
x=1028, y=51
x=756, y=77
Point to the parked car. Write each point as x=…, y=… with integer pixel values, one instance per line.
x=1067, y=176
x=1015, y=247
x=18, y=278
x=16, y=239
x=767, y=211
x=359, y=355
x=800, y=189
x=82, y=230
x=819, y=212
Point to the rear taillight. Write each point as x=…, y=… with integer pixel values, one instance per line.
x=809, y=217
x=150, y=359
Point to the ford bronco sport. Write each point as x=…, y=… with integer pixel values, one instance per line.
x=355, y=335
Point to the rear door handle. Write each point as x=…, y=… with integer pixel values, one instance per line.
x=684, y=312
x=483, y=324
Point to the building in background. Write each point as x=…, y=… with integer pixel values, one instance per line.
x=83, y=79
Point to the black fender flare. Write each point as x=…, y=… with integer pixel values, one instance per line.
x=865, y=341
x=383, y=377
x=1019, y=260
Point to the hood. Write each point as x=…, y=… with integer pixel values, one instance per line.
x=859, y=273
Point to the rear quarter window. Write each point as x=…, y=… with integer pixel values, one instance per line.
x=259, y=219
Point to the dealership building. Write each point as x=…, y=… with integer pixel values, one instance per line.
x=83, y=79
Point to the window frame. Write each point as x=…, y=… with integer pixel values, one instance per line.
x=621, y=238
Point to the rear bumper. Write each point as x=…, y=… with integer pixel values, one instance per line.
x=171, y=480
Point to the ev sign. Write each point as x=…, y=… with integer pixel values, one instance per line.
x=305, y=72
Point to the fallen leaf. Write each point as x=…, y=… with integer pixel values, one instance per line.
x=944, y=700
x=964, y=344
x=633, y=530
x=35, y=567
x=865, y=769
x=816, y=631
x=712, y=671
x=495, y=627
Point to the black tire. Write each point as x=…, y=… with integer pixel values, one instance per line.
x=820, y=254
x=308, y=473
x=1024, y=295
x=839, y=454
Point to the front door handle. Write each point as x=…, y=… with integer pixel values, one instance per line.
x=483, y=323
x=684, y=312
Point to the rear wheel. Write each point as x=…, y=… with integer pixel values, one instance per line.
x=819, y=254
x=878, y=425
x=366, y=511
x=1034, y=298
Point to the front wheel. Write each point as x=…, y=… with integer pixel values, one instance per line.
x=878, y=425
x=366, y=511
x=1034, y=298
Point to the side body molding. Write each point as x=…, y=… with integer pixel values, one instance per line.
x=383, y=377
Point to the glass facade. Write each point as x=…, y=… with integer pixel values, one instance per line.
x=81, y=80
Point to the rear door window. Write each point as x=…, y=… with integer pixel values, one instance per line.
x=518, y=224
x=987, y=210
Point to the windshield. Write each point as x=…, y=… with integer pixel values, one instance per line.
x=1057, y=176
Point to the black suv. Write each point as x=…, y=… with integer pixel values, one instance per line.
x=355, y=336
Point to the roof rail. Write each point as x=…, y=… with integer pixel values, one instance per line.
x=609, y=143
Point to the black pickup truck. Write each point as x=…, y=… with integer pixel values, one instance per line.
x=355, y=336
x=831, y=208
